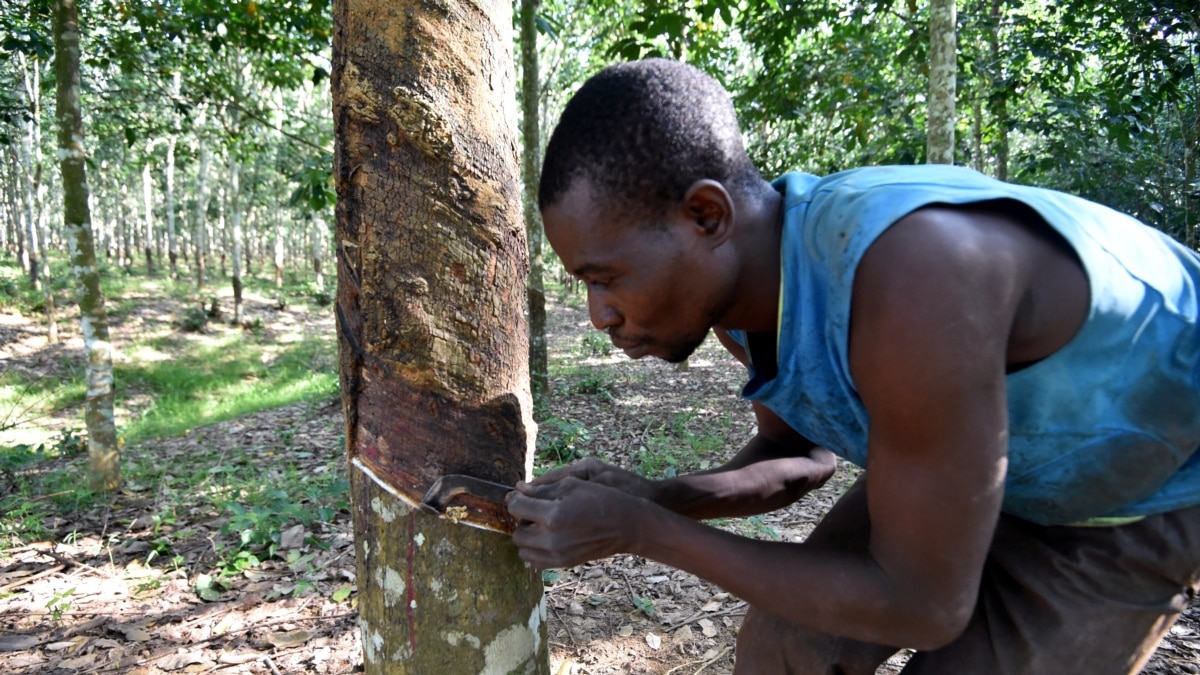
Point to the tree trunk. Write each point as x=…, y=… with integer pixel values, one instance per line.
x=278, y=249
x=29, y=201
x=44, y=240
x=14, y=199
x=1000, y=91
x=432, y=336
x=148, y=218
x=317, y=235
x=201, y=198
x=531, y=165
x=977, y=135
x=222, y=233
x=104, y=464
x=235, y=216
x=943, y=68
x=172, y=238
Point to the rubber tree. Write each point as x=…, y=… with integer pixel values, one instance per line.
x=530, y=169
x=433, y=349
x=943, y=69
x=103, y=455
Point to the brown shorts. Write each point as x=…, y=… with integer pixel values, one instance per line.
x=1053, y=601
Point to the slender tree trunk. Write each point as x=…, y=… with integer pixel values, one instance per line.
x=201, y=198
x=943, y=68
x=279, y=245
x=14, y=199
x=221, y=232
x=432, y=334
x=44, y=240
x=104, y=461
x=172, y=238
x=235, y=217
x=148, y=218
x=531, y=163
x=29, y=201
x=977, y=135
x=1000, y=91
x=317, y=236
x=124, y=236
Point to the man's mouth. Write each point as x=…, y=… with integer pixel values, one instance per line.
x=633, y=349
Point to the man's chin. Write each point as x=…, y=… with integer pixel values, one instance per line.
x=682, y=352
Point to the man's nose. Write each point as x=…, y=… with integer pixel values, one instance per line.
x=602, y=314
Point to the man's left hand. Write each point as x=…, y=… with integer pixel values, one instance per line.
x=572, y=521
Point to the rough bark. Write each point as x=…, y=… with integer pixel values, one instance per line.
x=943, y=68
x=103, y=457
x=432, y=336
x=531, y=167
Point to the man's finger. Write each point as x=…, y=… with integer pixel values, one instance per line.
x=531, y=508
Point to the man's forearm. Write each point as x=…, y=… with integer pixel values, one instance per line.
x=761, y=478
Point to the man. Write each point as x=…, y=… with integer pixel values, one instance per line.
x=1016, y=370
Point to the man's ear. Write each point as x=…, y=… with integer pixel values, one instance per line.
x=708, y=205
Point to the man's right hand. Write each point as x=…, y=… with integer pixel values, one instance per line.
x=596, y=471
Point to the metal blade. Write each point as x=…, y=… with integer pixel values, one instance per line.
x=475, y=500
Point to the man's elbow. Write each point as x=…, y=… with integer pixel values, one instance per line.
x=936, y=628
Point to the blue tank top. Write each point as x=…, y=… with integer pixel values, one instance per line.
x=1107, y=427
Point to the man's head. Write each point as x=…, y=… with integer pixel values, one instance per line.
x=638, y=195
x=642, y=133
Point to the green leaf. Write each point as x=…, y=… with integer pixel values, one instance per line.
x=342, y=593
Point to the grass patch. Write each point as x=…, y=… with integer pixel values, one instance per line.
x=234, y=377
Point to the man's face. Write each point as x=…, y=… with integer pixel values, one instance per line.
x=654, y=287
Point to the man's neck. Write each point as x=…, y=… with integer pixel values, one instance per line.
x=756, y=300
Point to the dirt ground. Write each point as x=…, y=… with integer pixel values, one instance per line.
x=85, y=600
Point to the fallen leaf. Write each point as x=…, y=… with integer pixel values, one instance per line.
x=136, y=546
x=653, y=640
x=625, y=631
x=683, y=634
x=707, y=628
x=711, y=606
x=290, y=639
x=84, y=662
x=237, y=659
x=293, y=537
x=131, y=632
x=16, y=643
x=177, y=661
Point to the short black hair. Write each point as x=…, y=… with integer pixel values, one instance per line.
x=643, y=132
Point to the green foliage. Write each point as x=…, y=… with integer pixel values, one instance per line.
x=559, y=441
x=645, y=606
x=59, y=603
x=595, y=343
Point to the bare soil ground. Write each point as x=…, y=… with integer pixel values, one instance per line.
x=93, y=597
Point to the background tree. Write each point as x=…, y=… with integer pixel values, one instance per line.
x=531, y=162
x=433, y=348
x=102, y=435
x=943, y=69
